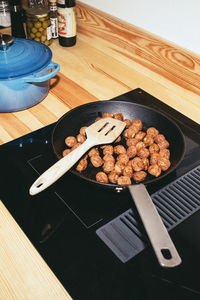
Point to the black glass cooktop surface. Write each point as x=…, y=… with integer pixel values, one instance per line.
x=62, y=221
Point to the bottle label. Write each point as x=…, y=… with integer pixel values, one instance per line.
x=66, y=22
x=54, y=27
x=5, y=19
x=53, y=8
x=49, y=33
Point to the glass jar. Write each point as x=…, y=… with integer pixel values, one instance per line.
x=5, y=20
x=38, y=25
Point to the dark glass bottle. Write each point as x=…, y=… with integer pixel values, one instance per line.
x=66, y=22
x=17, y=26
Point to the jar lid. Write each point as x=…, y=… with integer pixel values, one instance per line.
x=37, y=12
x=23, y=57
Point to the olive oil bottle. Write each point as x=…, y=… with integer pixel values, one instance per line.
x=66, y=22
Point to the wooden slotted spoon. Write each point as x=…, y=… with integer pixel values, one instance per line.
x=104, y=131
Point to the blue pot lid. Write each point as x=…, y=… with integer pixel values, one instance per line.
x=23, y=57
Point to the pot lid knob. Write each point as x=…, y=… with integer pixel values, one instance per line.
x=5, y=41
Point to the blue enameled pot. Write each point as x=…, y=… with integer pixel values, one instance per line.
x=25, y=71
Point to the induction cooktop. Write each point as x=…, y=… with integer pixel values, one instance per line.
x=92, y=238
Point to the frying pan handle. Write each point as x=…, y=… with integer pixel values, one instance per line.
x=59, y=168
x=162, y=244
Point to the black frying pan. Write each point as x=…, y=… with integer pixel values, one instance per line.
x=85, y=115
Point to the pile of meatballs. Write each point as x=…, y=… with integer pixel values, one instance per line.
x=134, y=154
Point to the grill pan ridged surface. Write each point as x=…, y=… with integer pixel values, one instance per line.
x=175, y=203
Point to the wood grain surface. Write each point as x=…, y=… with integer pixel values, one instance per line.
x=111, y=57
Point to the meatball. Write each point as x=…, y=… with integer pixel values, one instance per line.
x=96, y=161
x=159, y=138
x=148, y=140
x=128, y=171
x=82, y=165
x=124, y=180
x=107, y=115
x=93, y=151
x=108, y=157
x=131, y=151
x=137, y=164
x=123, y=158
x=113, y=177
x=108, y=149
x=163, y=144
x=140, y=135
x=118, y=116
x=119, y=149
x=143, y=153
x=154, y=170
x=164, y=153
x=140, y=145
x=128, y=123
x=108, y=166
x=101, y=177
x=129, y=163
x=145, y=162
x=82, y=130
x=131, y=131
x=154, y=148
x=137, y=123
x=131, y=142
x=152, y=131
x=154, y=158
x=139, y=176
x=80, y=138
x=66, y=151
x=164, y=163
x=70, y=141
x=125, y=134
x=119, y=167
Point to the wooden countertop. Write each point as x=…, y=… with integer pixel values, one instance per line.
x=110, y=58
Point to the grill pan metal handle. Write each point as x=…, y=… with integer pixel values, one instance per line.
x=162, y=244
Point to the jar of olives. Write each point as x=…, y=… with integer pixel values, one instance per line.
x=38, y=25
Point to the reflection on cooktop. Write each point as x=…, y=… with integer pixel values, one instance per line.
x=88, y=204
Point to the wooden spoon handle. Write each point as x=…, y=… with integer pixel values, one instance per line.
x=59, y=168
